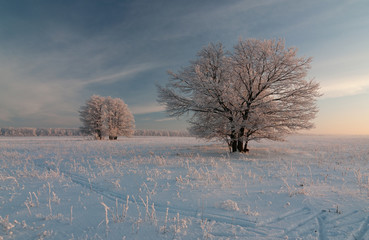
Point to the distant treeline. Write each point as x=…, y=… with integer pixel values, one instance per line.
x=167, y=133
x=29, y=132
x=26, y=132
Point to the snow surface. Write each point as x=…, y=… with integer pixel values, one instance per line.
x=309, y=187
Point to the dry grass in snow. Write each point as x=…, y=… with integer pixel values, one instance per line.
x=309, y=187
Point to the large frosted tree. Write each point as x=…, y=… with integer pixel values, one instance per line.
x=258, y=91
x=108, y=116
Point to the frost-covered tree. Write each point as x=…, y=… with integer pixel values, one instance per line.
x=92, y=116
x=119, y=119
x=106, y=117
x=258, y=91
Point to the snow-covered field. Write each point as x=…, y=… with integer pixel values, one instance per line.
x=309, y=187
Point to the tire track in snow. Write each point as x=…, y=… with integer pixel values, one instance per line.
x=112, y=195
x=220, y=218
x=342, y=217
x=329, y=227
x=266, y=229
x=292, y=213
x=321, y=227
x=288, y=219
x=363, y=229
x=300, y=224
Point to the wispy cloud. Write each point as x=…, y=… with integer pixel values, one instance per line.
x=24, y=95
x=147, y=108
x=165, y=119
x=222, y=17
x=45, y=76
x=345, y=87
x=128, y=72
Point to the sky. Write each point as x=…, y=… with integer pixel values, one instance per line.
x=55, y=54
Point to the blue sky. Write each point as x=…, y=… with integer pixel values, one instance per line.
x=55, y=54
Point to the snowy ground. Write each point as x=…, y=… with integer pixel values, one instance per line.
x=310, y=187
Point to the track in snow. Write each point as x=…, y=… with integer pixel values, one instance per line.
x=293, y=223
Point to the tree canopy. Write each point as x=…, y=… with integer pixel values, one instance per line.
x=258, y=91
x=106, y=117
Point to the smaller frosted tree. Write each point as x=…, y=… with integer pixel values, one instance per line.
x=92, y=116
x=119, y=119
x=106, y=117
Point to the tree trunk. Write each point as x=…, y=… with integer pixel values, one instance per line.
x=237, y=144
x=233, y=142
x=240, y=141
x=99, y=135
x=240, y=145
x=234, y=145
x=245, y=149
